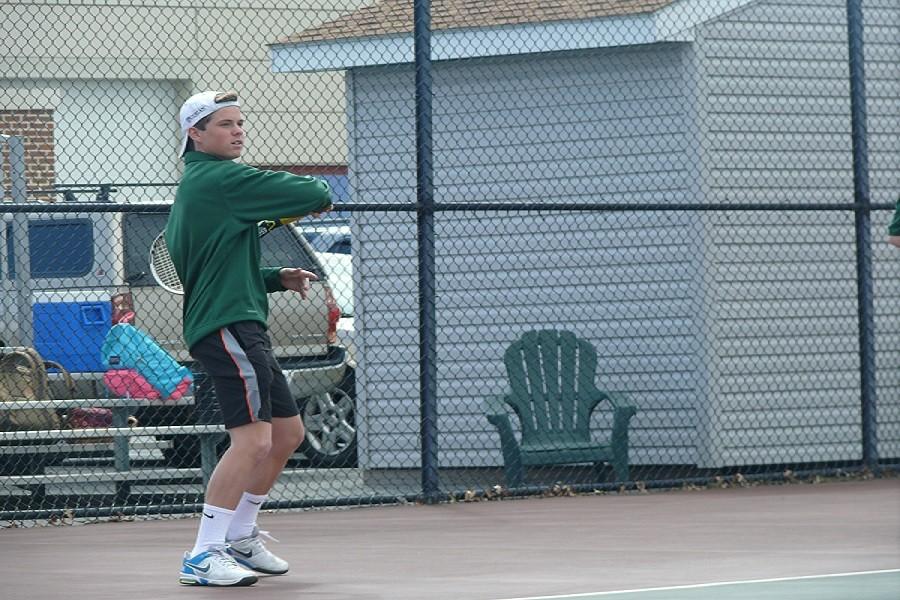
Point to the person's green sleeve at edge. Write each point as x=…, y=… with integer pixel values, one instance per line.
x=894, y=227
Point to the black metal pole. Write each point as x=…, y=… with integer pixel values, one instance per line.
x=861, y=197
x=425, y=198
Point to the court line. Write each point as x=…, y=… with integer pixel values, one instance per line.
x=704, y=585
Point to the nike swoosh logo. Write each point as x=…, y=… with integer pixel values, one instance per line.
x=209, y=516
x=244, y=554
x=252, y=502
x=199, y=568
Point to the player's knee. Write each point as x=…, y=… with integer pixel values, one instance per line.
x=300, y=432
x=294, y=437
x=255, y=445
x=288, y=436
x=259, y=449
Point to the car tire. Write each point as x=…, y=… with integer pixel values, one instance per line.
x=330, y=423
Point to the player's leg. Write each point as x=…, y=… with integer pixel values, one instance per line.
x=244, y=537
x=241, y=378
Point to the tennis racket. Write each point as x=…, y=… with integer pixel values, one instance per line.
x=163, y=269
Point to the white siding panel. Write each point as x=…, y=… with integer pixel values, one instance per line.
x=883, y=91
x=780, y=389
x=887, y=337
x=800, y=418
x=797, y=290
x=791, y=57
x=608, y=125
x=777, y=271
x=775, y=95
x=809, y=362
x=797, y=327
x=808, y=404
x=757, y=452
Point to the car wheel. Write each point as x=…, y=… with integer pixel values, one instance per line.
x=330, y=423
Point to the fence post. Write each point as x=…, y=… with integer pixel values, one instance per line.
x=425, y=198
x=20, y=241
x=862, y=198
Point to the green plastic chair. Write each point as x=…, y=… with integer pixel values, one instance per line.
x=553, y=392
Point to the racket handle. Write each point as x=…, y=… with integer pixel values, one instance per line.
x=264, y=227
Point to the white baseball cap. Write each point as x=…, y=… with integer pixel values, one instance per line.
x=199, y=106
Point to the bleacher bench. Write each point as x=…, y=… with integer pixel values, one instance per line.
x=122, y=439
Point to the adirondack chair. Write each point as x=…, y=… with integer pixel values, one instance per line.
x=553, y=392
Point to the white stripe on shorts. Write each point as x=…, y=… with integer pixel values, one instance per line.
x=246, y=371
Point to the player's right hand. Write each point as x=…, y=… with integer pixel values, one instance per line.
x=321, y=212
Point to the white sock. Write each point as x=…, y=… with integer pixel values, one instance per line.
x=245, y=516
x=213, y=526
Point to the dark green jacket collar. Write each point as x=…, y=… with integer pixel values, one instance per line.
x=195, y=156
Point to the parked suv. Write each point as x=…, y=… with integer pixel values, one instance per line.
x=90, y=270
x=330, y=419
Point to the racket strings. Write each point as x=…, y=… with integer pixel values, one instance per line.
x=162, y=267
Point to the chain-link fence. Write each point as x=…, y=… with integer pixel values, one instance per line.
x=580, y=244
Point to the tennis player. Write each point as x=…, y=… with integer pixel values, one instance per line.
x=213, y=240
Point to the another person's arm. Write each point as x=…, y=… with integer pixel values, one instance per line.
x=894, y=227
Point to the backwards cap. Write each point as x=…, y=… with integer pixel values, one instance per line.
x=200, y=106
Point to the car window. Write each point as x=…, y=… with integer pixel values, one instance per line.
x=341, y=246
x=140, y=229
x=278, y=249
x=282, y=248
x=314, y=238
x=57, y=248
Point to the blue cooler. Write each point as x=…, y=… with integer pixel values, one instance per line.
x=69, y=328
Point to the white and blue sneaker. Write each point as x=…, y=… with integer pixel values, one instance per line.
x=214, y=567
x=252, y=553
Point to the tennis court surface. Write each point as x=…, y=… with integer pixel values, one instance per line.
x=826, y=541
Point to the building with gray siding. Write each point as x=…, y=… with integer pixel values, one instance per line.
x=734, y=332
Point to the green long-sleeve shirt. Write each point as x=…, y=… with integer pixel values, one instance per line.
x=213, y=238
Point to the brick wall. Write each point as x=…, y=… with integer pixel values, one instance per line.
x=36, y=127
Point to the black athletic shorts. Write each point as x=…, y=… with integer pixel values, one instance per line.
x=248, y=381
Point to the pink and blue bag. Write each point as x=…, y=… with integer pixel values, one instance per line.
x=140, y=368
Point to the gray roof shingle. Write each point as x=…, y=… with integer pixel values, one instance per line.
x=392, y=17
